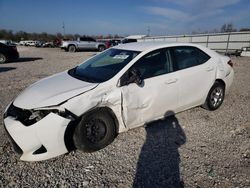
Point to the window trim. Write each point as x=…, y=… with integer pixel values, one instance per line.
x=159, y=49
x=174, y=61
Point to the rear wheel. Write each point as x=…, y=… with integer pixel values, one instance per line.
x=215, y=96
x=95, y=131
x=2, y=58
x=72, y=48
x=101, y=48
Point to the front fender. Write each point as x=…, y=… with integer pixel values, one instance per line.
x=95, y=98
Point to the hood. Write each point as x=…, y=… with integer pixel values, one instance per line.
x=52, y=91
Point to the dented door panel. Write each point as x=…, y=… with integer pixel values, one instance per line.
x=149, y=101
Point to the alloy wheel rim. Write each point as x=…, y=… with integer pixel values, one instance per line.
x=216, y=96
x=2, y=58
x=71, y=49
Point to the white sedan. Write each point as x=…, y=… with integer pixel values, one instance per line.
x=119, y=89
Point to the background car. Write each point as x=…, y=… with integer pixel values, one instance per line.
x=8, y=42
x=245, y=51
x=40, y=44
x=82, y=43
x=124, y=41
x=48, y=45
x=132, y=38
x=30, y=43
x=8, y=52
x=111, y=43
x=234, y=53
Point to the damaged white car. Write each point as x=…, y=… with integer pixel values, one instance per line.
x=119, y=89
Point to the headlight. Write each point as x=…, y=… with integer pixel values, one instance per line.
x=37, y=115
x=29, y=117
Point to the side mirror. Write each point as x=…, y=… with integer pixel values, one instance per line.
x=135, y=76
x=131, y=76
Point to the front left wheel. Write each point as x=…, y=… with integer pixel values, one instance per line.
x=95, y=131
x=72, y=48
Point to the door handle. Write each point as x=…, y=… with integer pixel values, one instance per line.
x=170, y=81
x=209, y=68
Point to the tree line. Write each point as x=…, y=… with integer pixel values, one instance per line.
x=225, y=28
x=22, y=35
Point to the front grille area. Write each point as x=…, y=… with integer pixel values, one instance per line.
x=20, y=115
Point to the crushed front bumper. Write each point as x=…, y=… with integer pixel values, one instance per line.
x=39, y=141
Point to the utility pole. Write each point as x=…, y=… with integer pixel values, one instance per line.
x=63, y=26
x=148, y=31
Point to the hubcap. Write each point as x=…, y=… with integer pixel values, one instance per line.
x=96, y=130
x=71, y=49
x=2, y=59
x=101, y=48
x=216, y=96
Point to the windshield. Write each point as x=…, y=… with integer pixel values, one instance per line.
x=104, y=66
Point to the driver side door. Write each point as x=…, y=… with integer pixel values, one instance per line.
x=156, y=95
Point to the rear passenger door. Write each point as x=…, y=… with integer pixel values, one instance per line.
x=91, y=43
x=196, y=73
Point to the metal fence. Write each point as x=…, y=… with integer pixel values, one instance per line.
x=222, y=42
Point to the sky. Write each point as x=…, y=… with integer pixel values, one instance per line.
x=126, y=17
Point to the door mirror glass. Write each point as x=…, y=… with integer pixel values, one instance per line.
x=132, y=76
x=135, y=76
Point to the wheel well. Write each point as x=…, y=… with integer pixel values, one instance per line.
x=221, y=81
x=69, y=132
x=101, y=45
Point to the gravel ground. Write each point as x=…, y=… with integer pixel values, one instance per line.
x=195, y=148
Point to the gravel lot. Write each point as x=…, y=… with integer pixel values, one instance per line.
x=197, y=148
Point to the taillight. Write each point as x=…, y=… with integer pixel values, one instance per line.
x=107, y=44
x=230, y=63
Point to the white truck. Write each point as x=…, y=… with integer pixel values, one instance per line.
x=82, y=43
x=245, y=51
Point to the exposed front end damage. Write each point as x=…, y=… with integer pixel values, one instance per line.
x=44, y=133
x=41, y=140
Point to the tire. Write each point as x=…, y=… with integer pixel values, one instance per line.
x=72, y=48
x=215, y=97
x=3, y=58
x=95, y=131
x=101, y=48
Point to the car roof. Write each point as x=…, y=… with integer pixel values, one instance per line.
x=145, y=45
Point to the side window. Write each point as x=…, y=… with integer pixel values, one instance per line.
x=82, y=39
x=132, y=40
x=186, y=57
x=91, y=39
x=154, y=64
